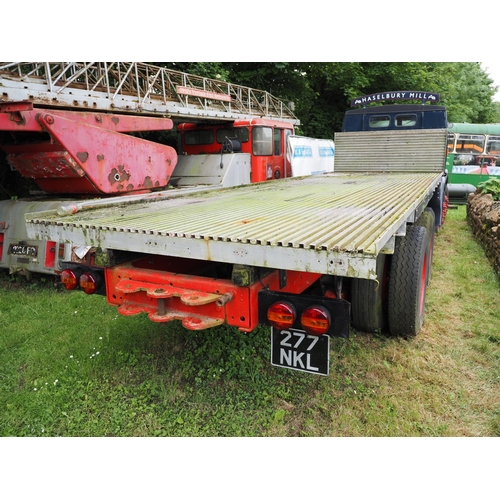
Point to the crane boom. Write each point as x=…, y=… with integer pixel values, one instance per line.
x=137, y=88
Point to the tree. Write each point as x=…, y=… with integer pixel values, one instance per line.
x=467, y=92
x=318, y=90
x=496, y=118
x=322, y=90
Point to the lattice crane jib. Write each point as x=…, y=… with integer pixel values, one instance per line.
x=138, y=88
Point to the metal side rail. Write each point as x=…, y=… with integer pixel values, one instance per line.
x=330, y=224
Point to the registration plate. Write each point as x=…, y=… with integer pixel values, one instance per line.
x=24, y=250
x=296, y=350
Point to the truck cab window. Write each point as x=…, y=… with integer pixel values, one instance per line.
x=277, y=141
x=406, y=120
x=379, y=121
x=194, y=137
x=240, y=133
x=262, y=141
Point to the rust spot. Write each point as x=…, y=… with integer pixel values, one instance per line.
x=113, y=176
x=118, y=175
x=100, y=157
x=148, y=183
x=130, y=187
x=82, y=156
x=157, y=184
x=115, y=120
x=125, y=176
x=88, y=258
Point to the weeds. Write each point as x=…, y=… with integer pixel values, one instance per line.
x=491, y=186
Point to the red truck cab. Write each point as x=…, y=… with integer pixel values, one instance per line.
x=265, y=140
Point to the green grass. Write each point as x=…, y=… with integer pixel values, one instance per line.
x=71, y=366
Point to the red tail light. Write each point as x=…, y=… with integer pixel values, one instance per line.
x=315, y=320
x=281, y=315
x=50, y=253
x=90, y=283
x=69, y=279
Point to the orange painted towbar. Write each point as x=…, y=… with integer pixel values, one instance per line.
x=198, y=302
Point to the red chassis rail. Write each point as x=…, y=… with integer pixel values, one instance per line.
x=199, y=302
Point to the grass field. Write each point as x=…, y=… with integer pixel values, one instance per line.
x=71, y=366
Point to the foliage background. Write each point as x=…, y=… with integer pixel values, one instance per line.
x=322, y=91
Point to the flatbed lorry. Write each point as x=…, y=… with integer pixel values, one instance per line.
x=307, y=256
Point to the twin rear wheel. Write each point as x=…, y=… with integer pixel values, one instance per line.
x=396, y=301
x=369, y=300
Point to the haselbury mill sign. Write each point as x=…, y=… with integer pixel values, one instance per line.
x=399, y=95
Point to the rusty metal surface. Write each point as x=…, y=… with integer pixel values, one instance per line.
x=333, y=224
x=85, y=156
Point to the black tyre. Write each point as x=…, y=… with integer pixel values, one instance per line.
x=408, y=282
x=428, y=220
x=369, y=299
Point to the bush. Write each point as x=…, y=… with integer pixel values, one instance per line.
x=491, y=186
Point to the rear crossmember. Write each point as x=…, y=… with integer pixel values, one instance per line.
x=238, y=299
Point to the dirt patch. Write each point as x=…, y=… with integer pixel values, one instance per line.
x=483, y=215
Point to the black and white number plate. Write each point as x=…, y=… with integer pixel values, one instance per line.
x=24, y=250
x=297, y=350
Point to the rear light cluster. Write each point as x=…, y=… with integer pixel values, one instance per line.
x=315, y=320
x=90, y=282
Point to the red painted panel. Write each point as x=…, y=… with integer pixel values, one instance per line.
x=112, y=162
x=50, y=254
x=87, y=152
x=36, y=162
x=182, y=296
x=27, y=120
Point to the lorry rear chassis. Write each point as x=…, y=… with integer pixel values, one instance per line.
x=205, y=294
